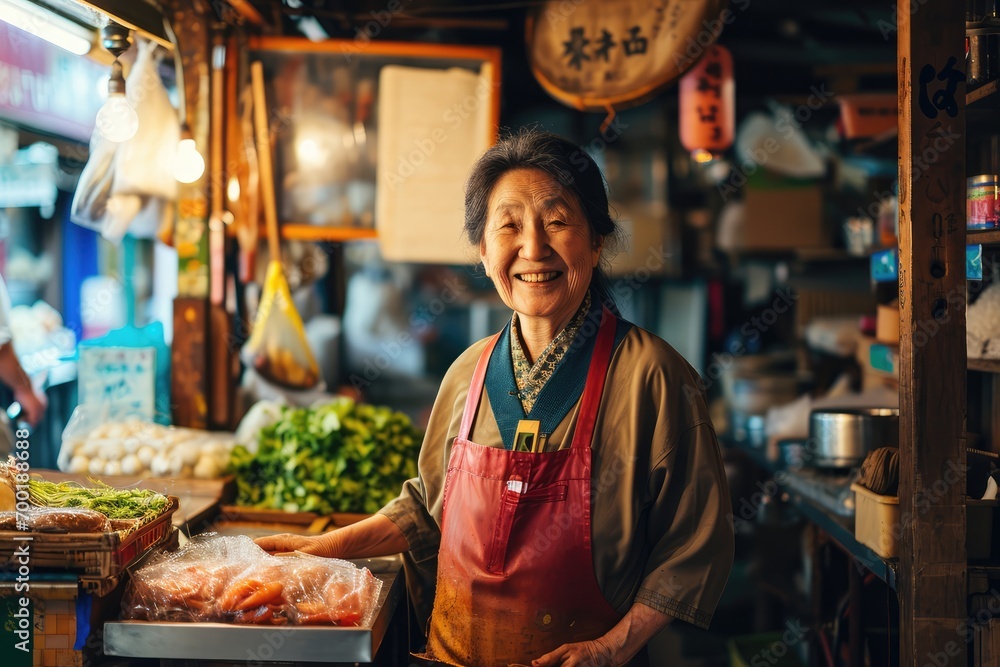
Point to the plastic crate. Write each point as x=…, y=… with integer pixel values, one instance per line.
x=877, y=526
x=876, y=521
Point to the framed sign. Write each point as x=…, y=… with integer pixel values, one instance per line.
x=378, y=136
x=122, y=379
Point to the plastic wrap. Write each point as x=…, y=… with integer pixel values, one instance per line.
x=158, y=134
x=56, y=520
x=278, y=348
x=93, y=190
x=97, y=442
x=232, y=580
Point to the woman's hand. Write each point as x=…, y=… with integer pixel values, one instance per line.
x=596, y=653
x=375, y=536
x=615, y=648
x=286, y=542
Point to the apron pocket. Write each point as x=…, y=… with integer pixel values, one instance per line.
x=508, y=508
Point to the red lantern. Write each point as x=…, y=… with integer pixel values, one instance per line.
x=708, y=105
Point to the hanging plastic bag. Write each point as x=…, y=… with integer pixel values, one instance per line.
x=90, y=201
x=278, y=349
x=137, y=171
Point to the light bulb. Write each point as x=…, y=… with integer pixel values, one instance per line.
x=117, y=120
x=233, y=190
x=701, y=156
x=189, y=165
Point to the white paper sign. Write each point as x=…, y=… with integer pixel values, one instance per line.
x=122, y=379
x=433, y=125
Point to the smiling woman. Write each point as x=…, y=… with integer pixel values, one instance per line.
x=590, y=509
x=539, y=251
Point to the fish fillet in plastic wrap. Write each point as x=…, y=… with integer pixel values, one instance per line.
x=232, y=580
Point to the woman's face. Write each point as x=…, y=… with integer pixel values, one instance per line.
x=537, y=246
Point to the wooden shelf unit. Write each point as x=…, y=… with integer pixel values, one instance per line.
x=984, y=237
x=984, y=365
x=985, y=96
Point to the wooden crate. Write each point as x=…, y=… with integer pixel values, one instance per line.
x=100, y=555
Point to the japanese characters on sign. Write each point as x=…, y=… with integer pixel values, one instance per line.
x=599, y=54
x=578, y=46
x=708, y=105
x=943, y=98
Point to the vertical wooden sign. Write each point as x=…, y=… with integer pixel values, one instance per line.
x=932, y=585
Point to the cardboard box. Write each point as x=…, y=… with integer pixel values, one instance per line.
x=879, y=364
x=782, y=214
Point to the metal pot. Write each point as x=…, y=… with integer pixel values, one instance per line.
x=842, y=437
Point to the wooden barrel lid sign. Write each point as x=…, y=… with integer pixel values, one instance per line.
x=596, y=55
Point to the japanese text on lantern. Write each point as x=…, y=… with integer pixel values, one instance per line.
x=707, y=104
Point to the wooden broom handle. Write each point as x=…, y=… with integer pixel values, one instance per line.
x=264, y=159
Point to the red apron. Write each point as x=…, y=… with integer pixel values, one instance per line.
x=515, y=572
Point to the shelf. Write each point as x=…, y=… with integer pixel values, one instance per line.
x=984, y=365
x=983, y=236
x=985, y=95
x=839, y=528
x=299, y=232
x=827, y=255
x=841, y=531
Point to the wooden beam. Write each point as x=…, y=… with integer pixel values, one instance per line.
x=189, y=380
x=932, y=587
x=139, y=16
x=248, y=13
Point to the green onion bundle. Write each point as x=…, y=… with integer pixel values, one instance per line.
x=113, y=503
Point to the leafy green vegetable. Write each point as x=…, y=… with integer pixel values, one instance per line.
x=339, y=457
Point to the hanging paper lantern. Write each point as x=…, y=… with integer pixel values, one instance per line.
x=708, y=105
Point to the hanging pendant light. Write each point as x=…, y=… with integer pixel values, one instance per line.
x=116, y=120
x=189, y=165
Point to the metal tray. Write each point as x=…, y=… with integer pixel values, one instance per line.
x=242, y=643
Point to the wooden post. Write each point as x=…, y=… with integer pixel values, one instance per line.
x=932, y=586
x=189, y=386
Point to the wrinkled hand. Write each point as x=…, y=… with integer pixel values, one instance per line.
x=286, y=542
x=596, y=653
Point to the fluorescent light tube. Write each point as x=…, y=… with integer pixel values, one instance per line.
x=48, y=25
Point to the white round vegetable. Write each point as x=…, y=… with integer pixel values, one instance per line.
x=112, y=468
x=78, y=464
x=145, y=454
x=176, y=467
x=96, y=466
x=160, y=466
x=207, y=468
x=90, y=449
x=131, y=465
x=189, y=453
x=113, y=450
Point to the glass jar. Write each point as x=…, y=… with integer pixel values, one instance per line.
x=983, y=201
